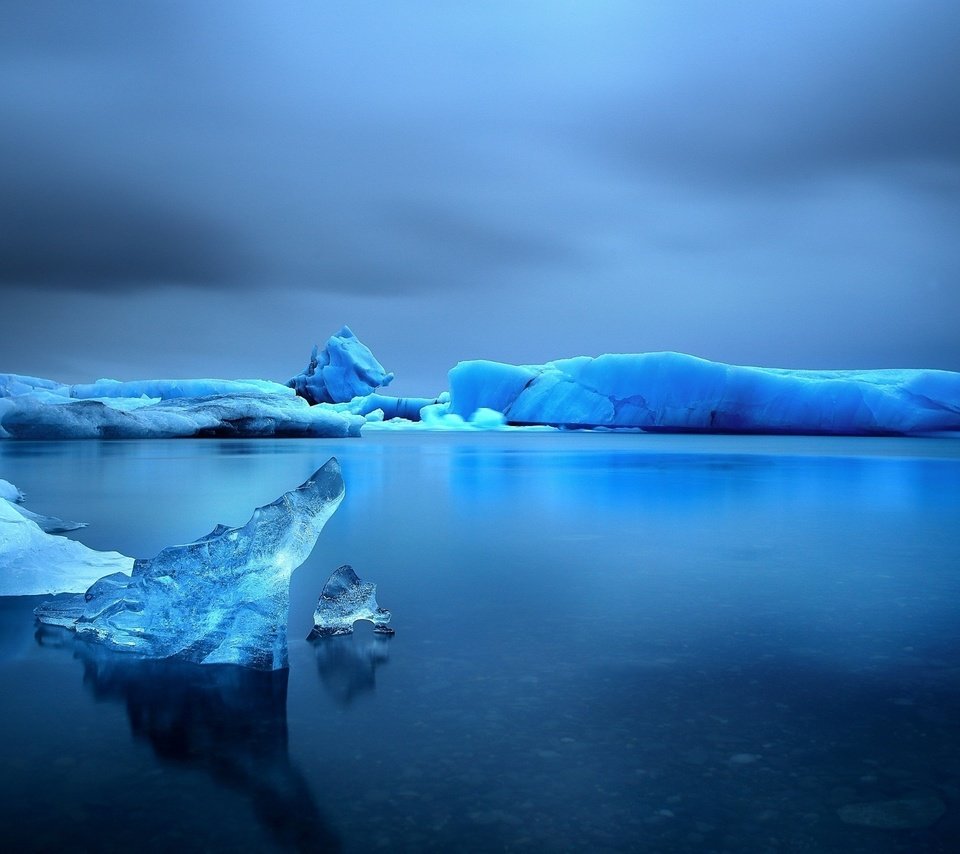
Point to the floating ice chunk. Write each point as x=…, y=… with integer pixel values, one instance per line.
x=407, y=408
x=222, y=599
x=49, y=524
x=14, y=385
x=344, y=600
x=343, y=370
x=33, y=562
x=675, y=392
x=436, y=416
x=9, y=492
x=35, y=408
x=36, y=416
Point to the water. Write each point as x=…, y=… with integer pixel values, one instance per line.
x=604, y=643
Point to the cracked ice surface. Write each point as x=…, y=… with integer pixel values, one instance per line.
x=676, y=392
x=344, y=600
x=222, y=599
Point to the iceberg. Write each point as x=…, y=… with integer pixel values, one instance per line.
x=48, y=524
x=673, y=392
x=344, y=600
x=381, y=406
x=33, y=562
x=14, y=385
x=9, y=492
x=247, y=414
x=222, y=599
x=343, y=370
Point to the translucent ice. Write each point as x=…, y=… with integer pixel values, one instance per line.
x=344, y=600
x=222, y=599
x=675, y=392
x=33, y=562
x=343, y=370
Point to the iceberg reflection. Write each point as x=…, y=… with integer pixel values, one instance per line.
x=226, y=720
x=348, y=664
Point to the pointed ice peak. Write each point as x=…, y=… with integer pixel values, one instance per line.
x=344, y=369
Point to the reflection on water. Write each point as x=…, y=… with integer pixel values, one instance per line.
x=348, y=664
x=228, y=721
x=610, y=642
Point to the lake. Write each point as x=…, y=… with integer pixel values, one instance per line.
x=604, y=642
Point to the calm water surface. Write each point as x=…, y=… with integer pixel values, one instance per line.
x=604, y=643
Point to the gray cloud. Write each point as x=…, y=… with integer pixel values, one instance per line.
x=778, y=93
x=578, y=176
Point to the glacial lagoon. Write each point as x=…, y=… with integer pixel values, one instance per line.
x=604, y=642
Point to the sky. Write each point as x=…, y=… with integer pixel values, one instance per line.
x=208, y=189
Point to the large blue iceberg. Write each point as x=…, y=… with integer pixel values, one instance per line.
x=679, y=393
x=343, y=370
x=222, y=599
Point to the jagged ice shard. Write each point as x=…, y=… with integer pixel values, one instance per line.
x=222, y=599
x=676, y=392
x=344, y=600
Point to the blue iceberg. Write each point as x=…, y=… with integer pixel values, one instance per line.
x=237, y=409
x=222, y=599
x=673, y=392
x=343, y=370
x=344, y=600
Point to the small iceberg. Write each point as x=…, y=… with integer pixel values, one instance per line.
x=343, y=370
x=32, y=562
x=48, y=524
x=344, y=600
x=222, y=599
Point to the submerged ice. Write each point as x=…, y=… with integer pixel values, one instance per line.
x=344, y=600
x=676, y=392
x=222, y=599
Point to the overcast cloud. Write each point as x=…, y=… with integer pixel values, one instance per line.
x=208, y=188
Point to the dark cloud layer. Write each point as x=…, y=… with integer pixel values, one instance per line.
x=580, y=176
